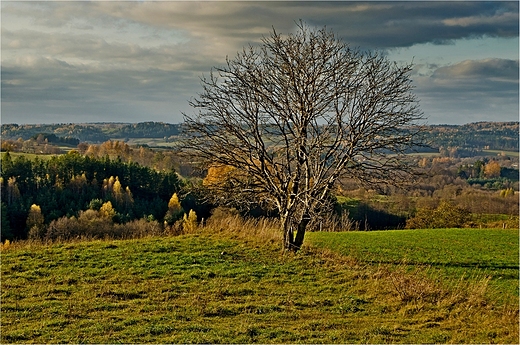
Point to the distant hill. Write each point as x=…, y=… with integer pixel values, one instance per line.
x=92, y=132
x=479, y=135
x=473, y=136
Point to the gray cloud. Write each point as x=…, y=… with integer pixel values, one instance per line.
x=500, y=70
x=472, y=90
x=142, y=60
x=368, y=24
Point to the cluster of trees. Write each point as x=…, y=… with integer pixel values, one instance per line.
x=446, y=215
x=53, y=138
x=32, y=145
x=64, y=185
x=500, y=172
x=147, y=130
x=478, y=185
x=489, y=174
x=41, y=143
x=157, y=159
x=99, y=221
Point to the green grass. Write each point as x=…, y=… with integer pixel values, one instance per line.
x=30, y=156
x=505, y=153
x=221, y=288
x=151, y=142
x=448, y=253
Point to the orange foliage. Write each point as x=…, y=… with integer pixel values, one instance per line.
x=492, y=169
x=217, y=175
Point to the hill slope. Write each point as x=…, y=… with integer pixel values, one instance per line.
x=216, y=289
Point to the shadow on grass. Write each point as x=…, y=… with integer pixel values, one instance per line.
x=447, y=265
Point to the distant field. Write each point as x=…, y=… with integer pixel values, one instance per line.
x=505, y=153
x=425, y=154
x=453, y=253
x=488, y=152
x=30, y=156
x=151, y=142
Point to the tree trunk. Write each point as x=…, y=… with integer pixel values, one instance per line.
x=288, y=236
x=292, y=243
x=300, y=234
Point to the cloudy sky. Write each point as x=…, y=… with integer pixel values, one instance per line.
x=142, y=61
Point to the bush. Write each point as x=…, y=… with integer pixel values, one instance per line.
x=92, y=224
x=446, y=215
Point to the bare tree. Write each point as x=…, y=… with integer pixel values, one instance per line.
x=297, y=114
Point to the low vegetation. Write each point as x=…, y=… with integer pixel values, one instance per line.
x=229, y=282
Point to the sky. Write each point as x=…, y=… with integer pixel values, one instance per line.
x=136, y=61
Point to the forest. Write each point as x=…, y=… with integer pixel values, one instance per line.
x=65, y=185
x=56, y=183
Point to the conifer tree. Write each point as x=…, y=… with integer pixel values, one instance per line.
x=175, y=210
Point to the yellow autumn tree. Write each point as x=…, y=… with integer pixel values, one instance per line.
x=128, y=198
x=218, y=175
x=107, y=211
x=13, y=192
x=175, y=210
x=34, y=222
x=492, y=169
x=189, y=223
x=117, y=191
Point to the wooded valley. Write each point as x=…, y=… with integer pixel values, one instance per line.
x=97, y=180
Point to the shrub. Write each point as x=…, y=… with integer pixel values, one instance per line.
x=446, y=215
x=91, y=224
x=140, y=228
x=63, y=228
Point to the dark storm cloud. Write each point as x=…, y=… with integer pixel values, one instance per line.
x=368, y=24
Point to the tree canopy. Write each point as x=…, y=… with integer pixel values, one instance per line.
x=295, y=115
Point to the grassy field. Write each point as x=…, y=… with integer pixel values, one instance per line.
x=30, y=156
x=214, y=287
x=152, y=142
x=449, y=254
x=503, y=153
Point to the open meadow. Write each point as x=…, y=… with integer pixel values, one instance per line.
x=229, y=286
x=447, y=254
